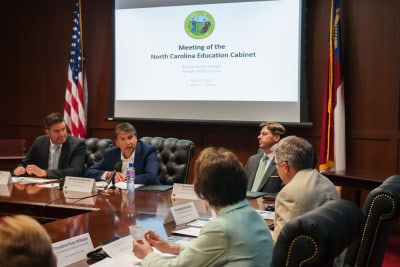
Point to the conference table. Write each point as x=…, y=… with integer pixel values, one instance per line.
x=103, y=215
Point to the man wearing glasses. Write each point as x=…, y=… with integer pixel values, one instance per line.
x=305, y=188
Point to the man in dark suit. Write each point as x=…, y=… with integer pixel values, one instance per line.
x=128, y=149
x=54, y=155
x=260, y=168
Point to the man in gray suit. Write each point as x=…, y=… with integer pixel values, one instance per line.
x=260, y=168
x=54, y=155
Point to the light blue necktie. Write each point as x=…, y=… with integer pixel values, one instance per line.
x=56, y=157
x=260, y=173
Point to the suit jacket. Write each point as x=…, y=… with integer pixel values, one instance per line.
x=72, y=157
x=307, y=190
x=271, y=182
x=238, y=236
x=146, y=166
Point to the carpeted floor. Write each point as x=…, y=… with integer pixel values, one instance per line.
x=392, y=256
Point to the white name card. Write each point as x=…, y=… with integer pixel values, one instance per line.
x=6, y=190
x=184, y=193
x=79, y=184
x=73, y=249
x=184, y=213
x=5, y=177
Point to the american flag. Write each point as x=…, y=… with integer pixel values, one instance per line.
x=75, y=105
x=333, y=138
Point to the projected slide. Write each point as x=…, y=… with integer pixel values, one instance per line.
x=206, y=53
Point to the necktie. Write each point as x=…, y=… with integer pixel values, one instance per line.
x=56, y=157
x=260, y=173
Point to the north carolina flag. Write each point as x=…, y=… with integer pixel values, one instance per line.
x=75, y=105
x=333, y=142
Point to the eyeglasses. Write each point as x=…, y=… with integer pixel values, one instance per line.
x=280, y=163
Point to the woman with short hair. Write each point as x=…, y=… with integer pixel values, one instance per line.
x=24, y=243
x=238, y=236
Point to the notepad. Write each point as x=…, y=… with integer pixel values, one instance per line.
x=155, y=187
x=188, y=231
x=255, y=194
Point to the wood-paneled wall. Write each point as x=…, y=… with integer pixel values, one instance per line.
x=34, y=57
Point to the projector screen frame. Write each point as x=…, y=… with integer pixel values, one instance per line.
x=303, y=94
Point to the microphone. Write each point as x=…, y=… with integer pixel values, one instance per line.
x=117, y=168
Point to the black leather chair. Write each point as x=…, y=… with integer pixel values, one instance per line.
x=317, y=237
x=174, y=157
x=381, y=209
x=95, y=149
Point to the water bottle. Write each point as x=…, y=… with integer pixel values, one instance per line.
x=130, y=178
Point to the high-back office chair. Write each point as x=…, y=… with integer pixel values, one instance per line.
x=318, y=236
x=174, y=157
x=381, y=209
x=95, y=149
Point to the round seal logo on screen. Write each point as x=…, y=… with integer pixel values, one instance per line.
x=199, y=24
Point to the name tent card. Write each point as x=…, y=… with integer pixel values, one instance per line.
x=6, y=190
x=79, y=184
x=184, y=213
x=184, y=193
x=5, y=177
x=72, y=249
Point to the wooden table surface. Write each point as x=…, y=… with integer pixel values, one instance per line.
x=103, y=215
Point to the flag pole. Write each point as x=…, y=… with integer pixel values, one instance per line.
x=332, y=149
x=75, y=105
x=85, y=92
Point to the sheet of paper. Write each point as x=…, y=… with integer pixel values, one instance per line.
x=101, y=184
x=111, y=262
x=178, y=239
x=32, y=180
x=266, y=215
x=122, y=185
x=197, y=223
x=121, y=249
x=50, y=185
